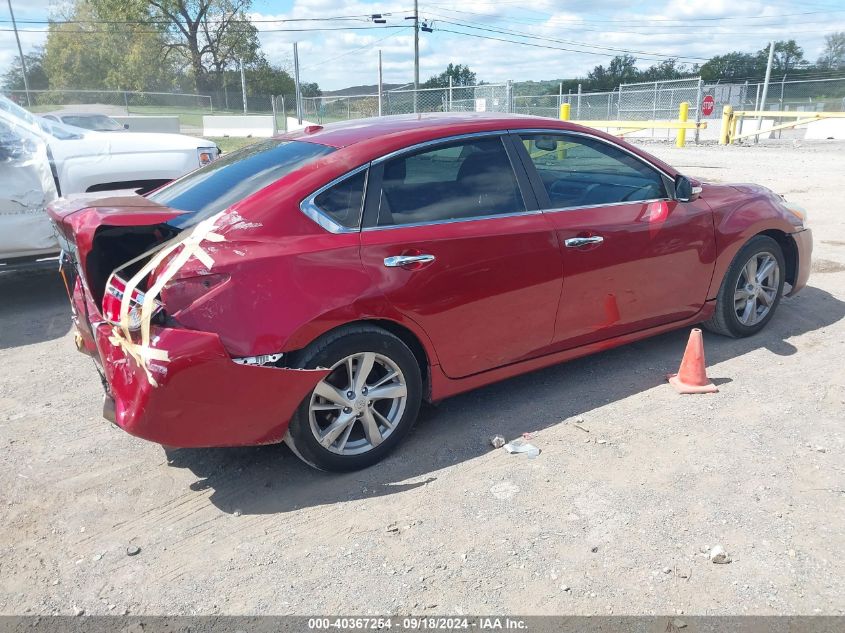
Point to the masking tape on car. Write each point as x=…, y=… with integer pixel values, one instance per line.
x=190, y=242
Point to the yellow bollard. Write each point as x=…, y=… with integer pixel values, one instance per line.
x=734, y=126
x=561, y=150
x=564, y=111
x=724, y=131
x=683, y=112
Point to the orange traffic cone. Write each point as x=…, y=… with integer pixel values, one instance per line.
x=692, y=375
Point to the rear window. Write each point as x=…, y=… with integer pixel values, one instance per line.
x=232, y=178
x=94, y=122
x=344, y=202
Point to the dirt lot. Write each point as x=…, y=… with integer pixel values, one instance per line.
x=611, y=517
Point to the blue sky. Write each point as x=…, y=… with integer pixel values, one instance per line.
x=568, y=38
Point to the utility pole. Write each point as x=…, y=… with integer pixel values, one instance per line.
x=379, y=82
x=296, y=83
x=243, y=84
x=20, y=51
x=416, y=52
x=765, y=87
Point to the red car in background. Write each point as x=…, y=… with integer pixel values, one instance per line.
x=316, y=287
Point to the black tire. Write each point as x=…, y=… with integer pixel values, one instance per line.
x=725, y=320
x=326, y=352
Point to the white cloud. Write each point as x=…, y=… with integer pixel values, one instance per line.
x=336, y=59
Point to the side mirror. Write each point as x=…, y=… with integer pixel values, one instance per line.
x=685, y=191
x=547, y=144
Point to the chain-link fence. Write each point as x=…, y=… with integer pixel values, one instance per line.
x=482, y=98
x=629, y=102
x=639, y=101
x=805, y=94
x=657, y=99
x=117, y=102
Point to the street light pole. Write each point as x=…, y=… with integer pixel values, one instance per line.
x=416, y=52
x=243, y=85
x=296, y=84
x=765, y=88
x=20, y=51
x=380, y=84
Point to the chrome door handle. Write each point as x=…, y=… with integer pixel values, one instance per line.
x=404, y=260
x=575, y=242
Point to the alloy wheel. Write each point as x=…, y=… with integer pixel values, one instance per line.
x=358, y=405
x=757, y=288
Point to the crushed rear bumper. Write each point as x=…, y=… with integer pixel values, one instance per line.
x=203, y=397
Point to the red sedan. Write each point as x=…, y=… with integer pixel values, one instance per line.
x=316, y=287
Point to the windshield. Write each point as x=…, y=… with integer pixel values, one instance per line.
x=59, y=130
x=98, y=122
x=12, y=108
x=232, y=178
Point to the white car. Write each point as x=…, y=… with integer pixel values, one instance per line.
x=87, y=121
x=41, y=160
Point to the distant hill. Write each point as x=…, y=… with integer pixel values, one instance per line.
x=359, y=90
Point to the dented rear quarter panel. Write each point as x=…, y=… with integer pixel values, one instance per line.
x=290, y=281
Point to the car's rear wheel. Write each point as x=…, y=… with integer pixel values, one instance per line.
x=751, y=289
x=362, y=409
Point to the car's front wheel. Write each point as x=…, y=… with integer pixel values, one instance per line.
x=357, y=414
x=751, y=290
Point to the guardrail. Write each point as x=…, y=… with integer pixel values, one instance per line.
x=732, y=120
x=629, y=127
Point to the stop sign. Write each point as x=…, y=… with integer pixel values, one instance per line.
x=707, y=105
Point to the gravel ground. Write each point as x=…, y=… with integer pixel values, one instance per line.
x=633, y=486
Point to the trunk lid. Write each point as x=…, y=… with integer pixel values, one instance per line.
x=97, y=234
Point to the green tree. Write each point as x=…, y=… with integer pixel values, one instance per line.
x=310, y=89
x=732, y=67
x=622, y=69
x=833, y=56
x=210, y=36
x=97, y=46
x=35, y=75
x=265, y=78
x=461, y=76
x=665, y=70
x=788, y=56
x=149, y=44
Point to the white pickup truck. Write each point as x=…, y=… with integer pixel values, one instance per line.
x=41, y=160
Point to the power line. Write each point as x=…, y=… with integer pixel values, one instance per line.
x=136, y=32
x=667, y=29
x=554, y=48
x=354, y=50
x=570, y=42
x=654, y=22
x=364, y=17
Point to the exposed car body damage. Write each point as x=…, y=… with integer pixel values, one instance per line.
x=220, y=302
x=202, y=398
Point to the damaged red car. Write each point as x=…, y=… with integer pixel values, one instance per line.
x=317, y=286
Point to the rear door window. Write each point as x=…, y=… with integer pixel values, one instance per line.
x=231, y=178
x=579, y=171
x=455, y=181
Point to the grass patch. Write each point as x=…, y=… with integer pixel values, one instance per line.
x=230, y=144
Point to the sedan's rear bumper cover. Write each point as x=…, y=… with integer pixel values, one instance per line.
x=203, y=397
x=804, y=245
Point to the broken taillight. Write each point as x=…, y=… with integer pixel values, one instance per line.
x=113, y=297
